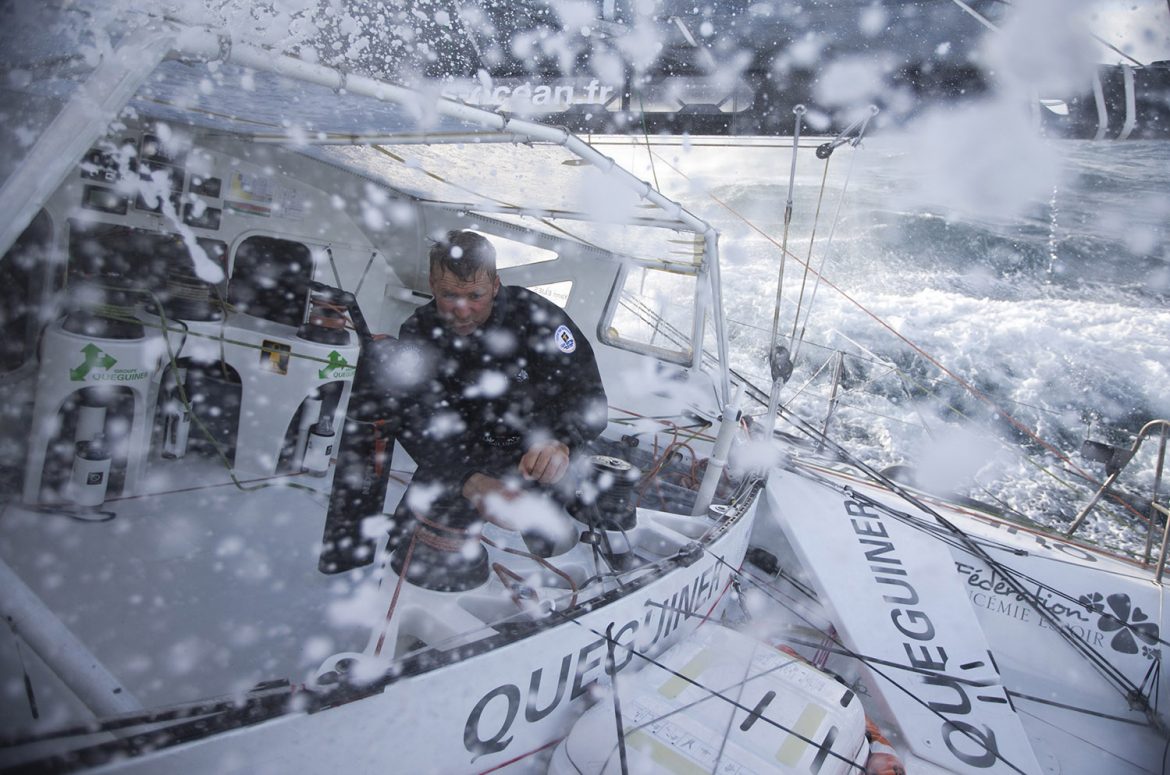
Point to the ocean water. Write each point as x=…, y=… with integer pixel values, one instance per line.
x=993, y=312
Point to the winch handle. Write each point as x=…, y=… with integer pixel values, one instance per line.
x=349, y=301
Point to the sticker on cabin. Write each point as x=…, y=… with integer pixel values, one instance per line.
x=290, y=203
x=98, y=366
x=1127, y=623
x=250, y=194
x=274, y=356
x=337, y=368
x=564, y=339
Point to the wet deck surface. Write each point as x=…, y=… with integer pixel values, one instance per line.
x=201, y=589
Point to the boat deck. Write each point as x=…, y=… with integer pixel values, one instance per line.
x=184, y=593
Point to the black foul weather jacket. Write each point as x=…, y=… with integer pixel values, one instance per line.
x=480, y=401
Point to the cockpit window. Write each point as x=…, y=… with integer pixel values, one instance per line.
x=652, y=311
x=270, y=279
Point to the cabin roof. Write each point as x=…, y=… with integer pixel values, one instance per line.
x=425, y=155
x=207, y=79
x=468, y=160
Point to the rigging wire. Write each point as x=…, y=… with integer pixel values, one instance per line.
x=1074, y=709
x=812, y=239
x=828, y=246
x=333, y=266
x=920, y=381
x=611, y=667
x=976, y=15
x=695, y=703
x=731, y=716
x=921, y=384
x=799, y=111
x=905, y=376
x=362, y=279
x=800, y=390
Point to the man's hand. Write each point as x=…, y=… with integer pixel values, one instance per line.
x=545, y=462
x=479, y=489
x=479, y=486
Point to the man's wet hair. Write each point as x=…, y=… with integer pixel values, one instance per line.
x=463, y=254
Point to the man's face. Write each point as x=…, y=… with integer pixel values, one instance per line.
x=464, y=305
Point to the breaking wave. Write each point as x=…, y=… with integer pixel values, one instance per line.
x=1059, y=314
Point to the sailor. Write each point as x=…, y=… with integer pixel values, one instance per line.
x=507, y=392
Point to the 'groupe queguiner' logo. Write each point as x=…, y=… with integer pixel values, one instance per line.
x=95, y=357
x=337, y=367
x=98, y=366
